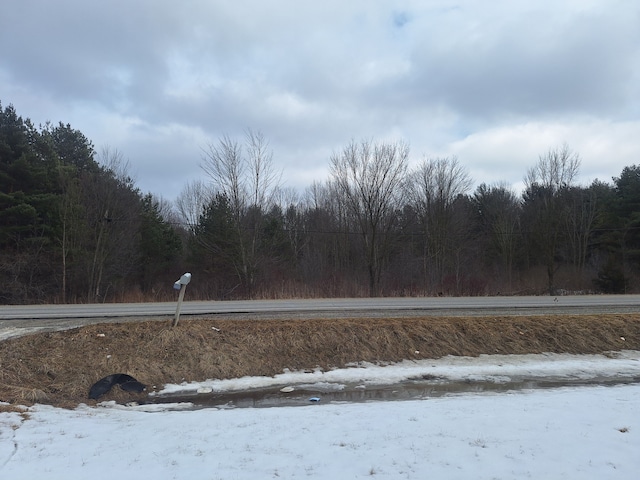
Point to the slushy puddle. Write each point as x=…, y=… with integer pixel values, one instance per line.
x=424, y=388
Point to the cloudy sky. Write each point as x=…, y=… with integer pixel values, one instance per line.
x=495, y=82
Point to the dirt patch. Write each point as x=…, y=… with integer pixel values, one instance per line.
x=59, y=368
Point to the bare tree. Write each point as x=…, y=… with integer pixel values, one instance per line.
x=112, y=207
x=71, y=213
x=582, y=208
x=291, y=204
x=433, y=188
x=498, y=214
x=191, y=202
x=224, y=164
x=326, y=250
x=555, y=169
x=263, y=181
x=369, y=177
x=248, y=180
x=546, y=214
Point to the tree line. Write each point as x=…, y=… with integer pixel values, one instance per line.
x=75, y=228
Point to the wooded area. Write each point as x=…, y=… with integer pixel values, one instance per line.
x=75, y=228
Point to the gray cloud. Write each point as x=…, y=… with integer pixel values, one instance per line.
x=158, y=80
x=537, y=63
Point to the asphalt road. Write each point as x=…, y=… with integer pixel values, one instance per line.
x=17, y=320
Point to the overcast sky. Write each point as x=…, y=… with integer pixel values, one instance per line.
x=495, y=82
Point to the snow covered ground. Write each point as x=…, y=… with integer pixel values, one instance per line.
x=585, y=432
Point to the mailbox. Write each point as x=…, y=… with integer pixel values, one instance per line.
x=184, y=280
x=182, y=286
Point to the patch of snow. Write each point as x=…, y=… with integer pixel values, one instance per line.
x=589, y=432
x=490, y=368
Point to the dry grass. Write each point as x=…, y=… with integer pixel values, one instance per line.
x=60, y=367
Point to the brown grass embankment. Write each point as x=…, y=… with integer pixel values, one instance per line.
x=59, y=367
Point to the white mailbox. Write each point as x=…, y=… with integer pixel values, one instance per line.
x=184, y=280
x=180, y=285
